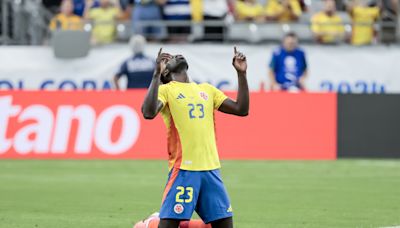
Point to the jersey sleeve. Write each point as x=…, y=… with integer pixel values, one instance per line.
x=315, y=24
x=305, y=67
x=296, y=8
x=376, y=13
x=123, y=70
x=163, y=95
x=53, y=23
x=273, y=61
x=219, y=97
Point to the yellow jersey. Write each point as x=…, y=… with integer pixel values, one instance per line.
x=363, y=24
x=188, y=113
x=245, y=10
x=64, y=22
x=274, y=7
x=329, y=26
x=104, y=23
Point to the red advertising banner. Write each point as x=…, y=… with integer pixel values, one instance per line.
x=109, y=125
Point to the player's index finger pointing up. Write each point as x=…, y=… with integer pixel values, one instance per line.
x=234, y=49
x=159, y=52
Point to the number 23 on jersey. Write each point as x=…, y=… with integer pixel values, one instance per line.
x=196, y=111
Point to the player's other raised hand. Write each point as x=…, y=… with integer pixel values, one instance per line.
x=239, y=61
x=161, y=61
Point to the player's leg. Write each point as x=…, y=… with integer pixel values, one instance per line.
x=169, y=223
x=213, y=205
x=223, y=223
x=180, y=197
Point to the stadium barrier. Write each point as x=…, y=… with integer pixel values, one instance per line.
x=108, y=125
x=368, y=126
x=331, y=68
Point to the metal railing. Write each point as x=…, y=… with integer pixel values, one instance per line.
x=30, y=26
x=23, y=22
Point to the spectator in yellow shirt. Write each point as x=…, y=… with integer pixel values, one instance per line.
x=363, y=18
x=283, y=10
x=104, y=18
x=327, y=26
x=249, y=10
x=66, y=20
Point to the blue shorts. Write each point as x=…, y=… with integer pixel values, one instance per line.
x=200, y=191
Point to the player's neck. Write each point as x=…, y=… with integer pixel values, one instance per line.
x=181, y=77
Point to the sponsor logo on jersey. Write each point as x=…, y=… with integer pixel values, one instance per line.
x=178, y=208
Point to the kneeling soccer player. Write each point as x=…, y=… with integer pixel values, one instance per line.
x=194, y=182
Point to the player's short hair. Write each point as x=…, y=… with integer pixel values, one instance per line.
x=290, y=34
x=137, y=44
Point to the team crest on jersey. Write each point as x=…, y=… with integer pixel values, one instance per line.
x=178, y=208
x=204, y=95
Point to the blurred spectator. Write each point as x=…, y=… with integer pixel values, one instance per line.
x=363, y=18
x=104, y=18
x=148, y=10
x=288, y=66
x=79, y=7
x=213, y=10
x=66, y=20
x=177, y=10
x=138, y=69
x=390, y=13
x=249, y=10
x=327, y=26
x=283, y=10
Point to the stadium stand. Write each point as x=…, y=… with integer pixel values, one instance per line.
x=224, y=22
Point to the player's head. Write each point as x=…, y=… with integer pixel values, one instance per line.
x=67, y=7
x=290, y=41
x=329, y=6
x=137, y=44
x=105, y=3
x=177, y=65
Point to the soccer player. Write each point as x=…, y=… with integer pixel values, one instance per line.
x=194, y=182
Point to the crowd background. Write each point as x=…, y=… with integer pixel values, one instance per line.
x=357, y=22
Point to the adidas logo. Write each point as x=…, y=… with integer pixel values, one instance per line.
x=180, y=96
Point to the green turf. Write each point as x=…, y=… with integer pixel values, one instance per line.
x=95, y=194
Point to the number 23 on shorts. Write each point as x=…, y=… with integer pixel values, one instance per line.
x=181, y=192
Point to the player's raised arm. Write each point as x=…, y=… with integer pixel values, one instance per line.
x=240, y=107
x=151, y=105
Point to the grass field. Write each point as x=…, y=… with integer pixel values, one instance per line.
x=95, y=194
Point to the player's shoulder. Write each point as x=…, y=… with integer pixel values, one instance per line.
x=277, y=51
x=300, y=50
x=164, y=88
x=206, y=86
x=318, y=16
